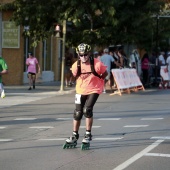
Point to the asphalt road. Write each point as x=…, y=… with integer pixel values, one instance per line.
x=130, y=132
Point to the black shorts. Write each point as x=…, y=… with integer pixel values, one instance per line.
x=31, y=74
x=87, y=101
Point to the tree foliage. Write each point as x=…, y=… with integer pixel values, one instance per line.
x=94, y=22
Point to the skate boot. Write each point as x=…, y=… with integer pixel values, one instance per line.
x=86, y=141
x=71, y=142
x=3, y=94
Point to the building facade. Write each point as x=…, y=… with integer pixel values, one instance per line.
x=14, y=48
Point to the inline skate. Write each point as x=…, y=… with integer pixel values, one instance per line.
x=86, y=141
x=71, y=142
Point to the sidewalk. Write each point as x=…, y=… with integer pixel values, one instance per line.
x=16, y=95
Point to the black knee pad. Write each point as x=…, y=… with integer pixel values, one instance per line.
x=77, y=115
x=88, y=112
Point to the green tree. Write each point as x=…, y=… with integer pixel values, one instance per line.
x=95, y=22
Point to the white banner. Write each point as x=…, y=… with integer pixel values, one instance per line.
x=126, y=78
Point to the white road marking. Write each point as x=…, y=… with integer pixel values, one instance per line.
x=2, y=127
x=109, y=119
x=6, y=140
x=64, y=118
x=138, y=155
x=158, y=154
x=41, y=127
x=58, y=139
x=27, y=118
x=161, y=137
x=54, y=139
x=108, y=138
x=92, y=127
x=136, y=126
x=160, y=118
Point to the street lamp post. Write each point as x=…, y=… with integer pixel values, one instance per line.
x=63, y=56
x=157, y=39
x=57, y=29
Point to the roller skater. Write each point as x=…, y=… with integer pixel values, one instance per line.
x=90, y=74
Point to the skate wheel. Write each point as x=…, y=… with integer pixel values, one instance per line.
x=64, y=146
x=85, y=146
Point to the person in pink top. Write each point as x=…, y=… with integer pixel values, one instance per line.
x=89, y=85
x=145, y=68
x=32, y=64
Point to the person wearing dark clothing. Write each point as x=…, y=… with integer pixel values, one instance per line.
x=145, y=68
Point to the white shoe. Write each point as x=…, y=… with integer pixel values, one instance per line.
x=3, y=94
x=104, y=91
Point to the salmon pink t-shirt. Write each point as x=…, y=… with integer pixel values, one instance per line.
x=89, y=83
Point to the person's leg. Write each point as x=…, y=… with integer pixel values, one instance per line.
x=70, y=78
x=169, y=80
x=88, y=110
x=30, y=80
x=76, y=125
x=145, y=76
x=77, y=116
x=33, y=80
x=106, y=81
x=66, y=79
x=78, y=113
x=111, y=81
x=2, y=92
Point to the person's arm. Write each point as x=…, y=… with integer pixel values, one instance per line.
x=4, y=68
x=37, y=63
x=104, y=75
x=4, y=72
x=121, y=60
x=27, y=62
x=117, y=64
x=38, y=68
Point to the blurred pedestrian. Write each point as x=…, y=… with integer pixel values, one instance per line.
x=67, y=71
x=145, y=68
x=135, y=61
x=162, y=63
x=32, y=64
x=107, y=60
x=168, y=68
x=3, y=70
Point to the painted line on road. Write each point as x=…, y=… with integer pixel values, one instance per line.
x=64, y=118
x=2, y=127
x=26, y=118
x=108, y=138
x=53, y=139
x=6, y=140
x=109, y=119
x=41, y=127
x=160, y=137
x=138, y=155
x=160, y=118
x=158, y=154
x=59, y=139
x=92, y=127
x=136, y=126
